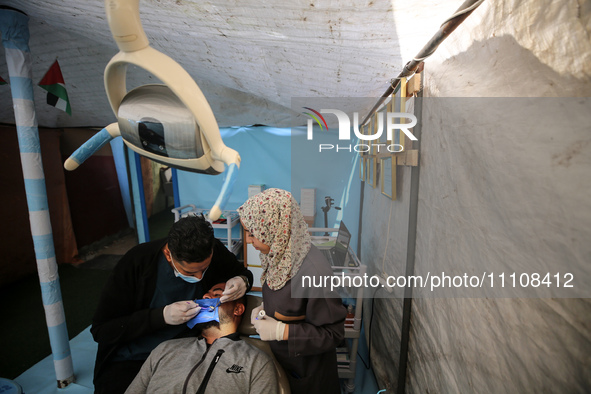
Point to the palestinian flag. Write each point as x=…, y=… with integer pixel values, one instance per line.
x=53, y=82
x=2, y=82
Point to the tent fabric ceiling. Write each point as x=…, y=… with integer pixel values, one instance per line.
x=250, y=58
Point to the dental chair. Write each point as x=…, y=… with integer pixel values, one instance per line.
x=246, y=329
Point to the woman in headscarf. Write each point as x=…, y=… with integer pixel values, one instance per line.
x=303, y=329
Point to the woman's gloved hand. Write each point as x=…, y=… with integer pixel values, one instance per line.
x=270, y=329
x=255, y=313
x=180, y=312
x=235, y=288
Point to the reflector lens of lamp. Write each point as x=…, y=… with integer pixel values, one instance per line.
x=154, y=119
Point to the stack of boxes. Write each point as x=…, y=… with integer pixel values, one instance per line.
x=255, y=189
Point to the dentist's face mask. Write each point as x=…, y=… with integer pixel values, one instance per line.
x=186, y=278
x=193, y=272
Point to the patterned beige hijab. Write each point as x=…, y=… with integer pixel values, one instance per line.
x=275, y=219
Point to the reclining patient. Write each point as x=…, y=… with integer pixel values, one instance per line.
x=216, y=362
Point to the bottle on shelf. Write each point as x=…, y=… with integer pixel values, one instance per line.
x=350, y=318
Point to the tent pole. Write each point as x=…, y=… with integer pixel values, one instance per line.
x=411, y=67
x=15, y=39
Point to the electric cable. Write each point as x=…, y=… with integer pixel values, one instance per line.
x=362, y=360
x=457, y=14
x=465, y=10
x=410, y=68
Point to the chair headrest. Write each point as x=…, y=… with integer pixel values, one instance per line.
x=245, y=327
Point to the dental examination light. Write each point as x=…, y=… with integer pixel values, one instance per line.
x=170, y=123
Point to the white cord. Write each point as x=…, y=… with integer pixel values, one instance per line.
x=472, y=7
x=461, y=12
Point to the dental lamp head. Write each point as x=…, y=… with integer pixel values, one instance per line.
x=170, y=123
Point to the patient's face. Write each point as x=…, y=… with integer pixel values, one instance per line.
x=225, y=310
x=215, y=291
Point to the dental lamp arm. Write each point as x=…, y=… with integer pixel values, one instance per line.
x=91, y=146
x=125, y=24
x=227, y=187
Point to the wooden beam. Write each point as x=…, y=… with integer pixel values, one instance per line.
x=408, y=158
x=413, y=85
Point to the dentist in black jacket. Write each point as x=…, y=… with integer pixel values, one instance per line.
x=150, y=294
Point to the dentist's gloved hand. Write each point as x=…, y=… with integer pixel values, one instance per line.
x=270, y=329
x=180, y=312
x=235, y=288
x=255, y=312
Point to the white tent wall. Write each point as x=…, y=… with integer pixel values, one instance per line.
x=248, y=57
x=485, y=194
x=491, y=198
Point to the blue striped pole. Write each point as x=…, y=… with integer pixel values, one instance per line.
x=15, y=39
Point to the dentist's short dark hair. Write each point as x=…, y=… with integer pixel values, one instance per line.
x=191, y=239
